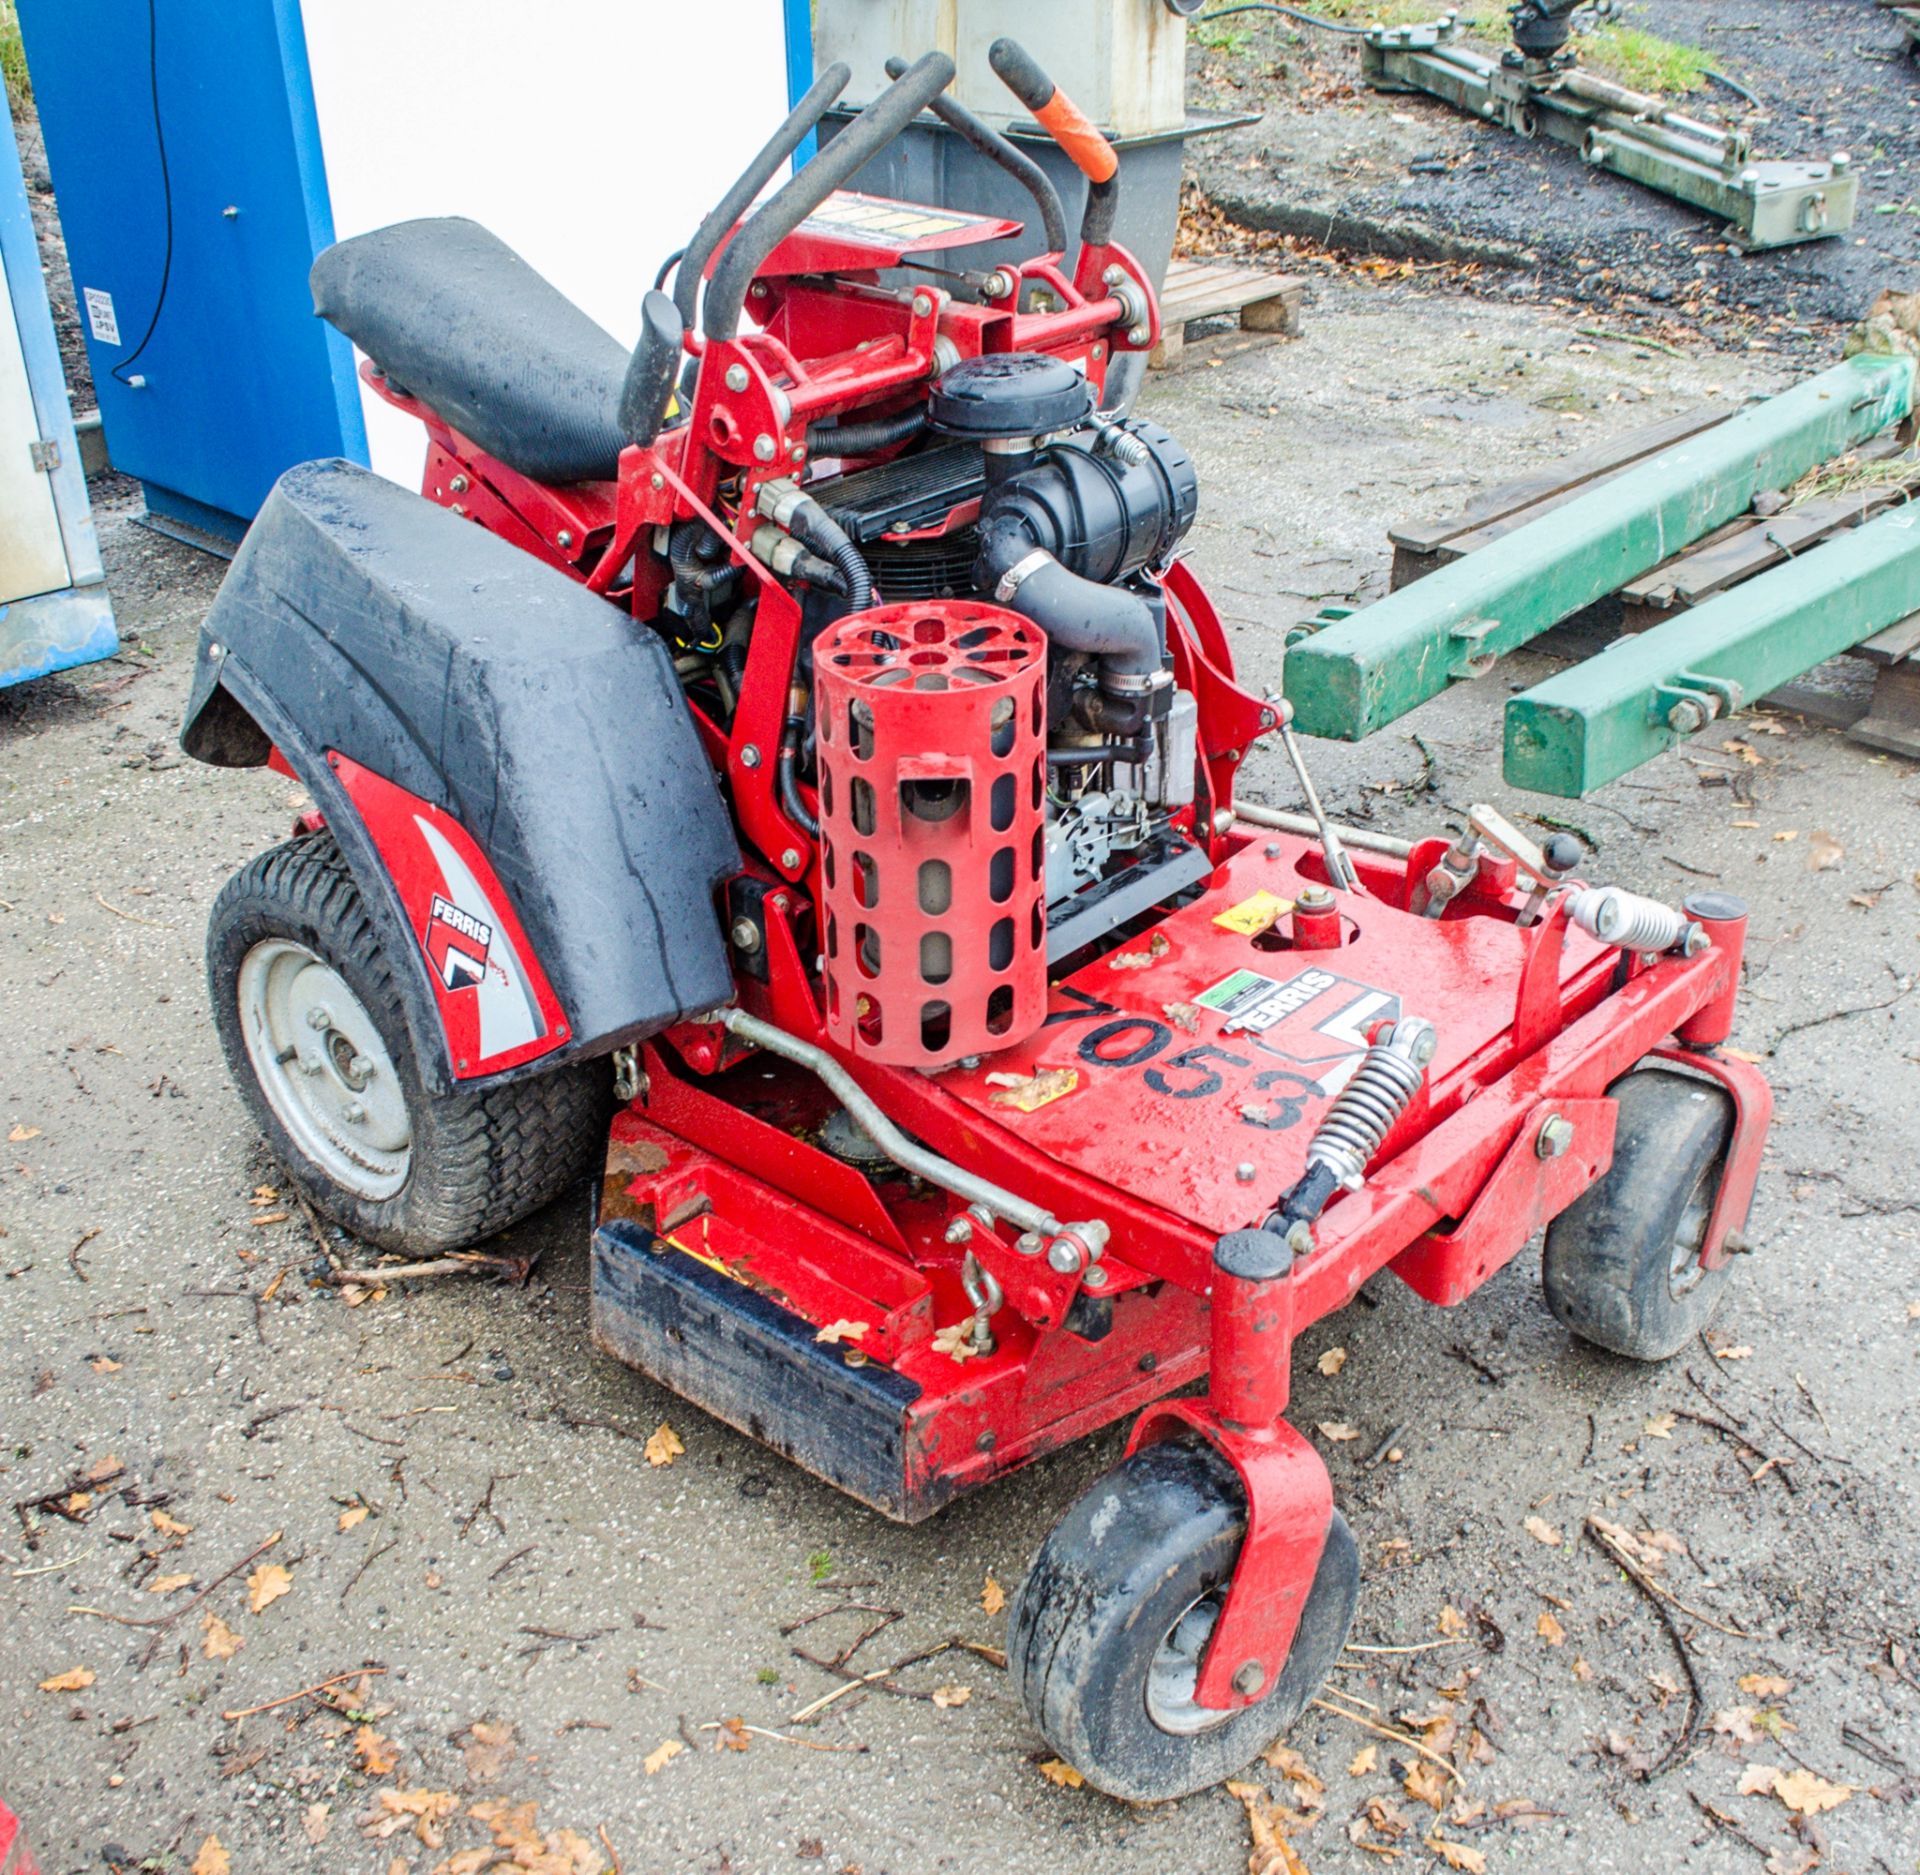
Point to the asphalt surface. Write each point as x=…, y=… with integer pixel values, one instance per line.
x=1333, y=162
x=523, y=1565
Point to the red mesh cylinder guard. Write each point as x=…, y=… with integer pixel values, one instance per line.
x=931, y=739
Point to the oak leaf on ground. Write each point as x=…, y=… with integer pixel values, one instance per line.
x=266, y=1585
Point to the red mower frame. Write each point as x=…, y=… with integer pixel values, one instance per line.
x=1178, y=1131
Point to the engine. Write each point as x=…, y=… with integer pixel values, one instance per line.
x=1010, y=490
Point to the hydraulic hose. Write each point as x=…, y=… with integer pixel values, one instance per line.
x=865, y=439
x=997, y=149
x=786, y=506
x=857, y=145
x=1108, y=622
x=755, y=177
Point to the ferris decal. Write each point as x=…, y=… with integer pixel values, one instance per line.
x=457, y=945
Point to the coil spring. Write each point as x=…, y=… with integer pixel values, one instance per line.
x=1378, y=1095
x=1628, y=920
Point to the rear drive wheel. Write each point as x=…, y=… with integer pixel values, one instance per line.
x=315, y=1036
x=1109, y=1629
x=1622, y=1267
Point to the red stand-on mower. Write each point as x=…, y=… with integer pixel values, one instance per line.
x=801, y=730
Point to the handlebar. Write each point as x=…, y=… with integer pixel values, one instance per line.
x=755, y=177
x=1068, y=126
x=996, y=149
x=859, y=143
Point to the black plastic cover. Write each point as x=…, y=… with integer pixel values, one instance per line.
x=455, y=317
x=361, y=618
x=1009, y=394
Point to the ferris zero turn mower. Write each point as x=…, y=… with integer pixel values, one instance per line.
x=802, y=732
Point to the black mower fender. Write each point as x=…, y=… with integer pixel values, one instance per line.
x=506, y=761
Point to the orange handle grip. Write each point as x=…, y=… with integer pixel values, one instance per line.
x=1058, y=115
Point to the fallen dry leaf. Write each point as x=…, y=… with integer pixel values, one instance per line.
x=169, y=1526
x=221, y=1643
x=355, y=1514
x=1059, y=1771
x=732, y=1735
x=424, y=1810
x=315, y=1822
x=1765, y=1685
x=1801, y=1791
x=1338, y=1431
x=1581, y=1670
x=1550, y=1630
x=662, y=1755
x=1362, y=1762
x=664, y=1447
x=165, y=1585
x=1542, y=1531
x=1157, y=947
x=1451, y=1622
x=1183, y=1016
x=266, y=1585
x=1824, y=852
x=836, y=1332
x=1458, y=1855
x=488, y=1747
x=956, y=1340
x=1790, y=833
x=104, y=1364
x=1661, y=1425
x=993, y=1597
x=1426, y=1783
x=212, y=1859
x=377, y=1755
x=1028, y=1093
x=1733, y=1354
x=1332, y=1361
x=74, y=1680
x=1273, y=1853
x=21, y=1134
x=948, y=1696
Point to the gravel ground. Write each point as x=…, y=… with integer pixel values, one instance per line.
x=1331, y=162
x=522, y=1565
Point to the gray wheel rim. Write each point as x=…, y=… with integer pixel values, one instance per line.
x=1174, y=1674
x=323, y=1068
x=1685, y=1271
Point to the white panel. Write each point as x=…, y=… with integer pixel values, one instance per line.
x=589, y=135
x=32, y=557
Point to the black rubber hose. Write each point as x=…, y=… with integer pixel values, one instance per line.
x=865, y=439
x=1108, y=622
x=814, y=527
x=666, y=267
x=796, y=809
x=1292, y=13
x=755, y=177
x=1103, y=204
x=857, y=145
x=997, y=149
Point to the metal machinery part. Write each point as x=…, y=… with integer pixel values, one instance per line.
x=325, y=1072
x=932, y=766
x=1538, y=88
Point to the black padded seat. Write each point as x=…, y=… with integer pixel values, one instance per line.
x=454, y=316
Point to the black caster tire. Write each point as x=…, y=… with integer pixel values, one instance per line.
x=1108, y=1629
x=314, y=1033
x=1622, y=1265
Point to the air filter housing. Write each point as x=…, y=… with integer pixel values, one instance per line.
x=1009, y=394
x=931, y=722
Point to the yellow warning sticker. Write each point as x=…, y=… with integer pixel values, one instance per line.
x=1253, y=915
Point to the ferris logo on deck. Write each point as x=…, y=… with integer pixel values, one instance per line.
x=457, y=944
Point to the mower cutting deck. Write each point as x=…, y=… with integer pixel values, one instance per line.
x=803, y=730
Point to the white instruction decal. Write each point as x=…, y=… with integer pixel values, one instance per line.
x=100, y=316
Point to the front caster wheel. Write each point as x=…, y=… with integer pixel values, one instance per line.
x=1622, y=1266
x=1112, y=1622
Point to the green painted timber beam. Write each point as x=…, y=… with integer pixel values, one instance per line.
x=1353, y=675
x=1595, y=721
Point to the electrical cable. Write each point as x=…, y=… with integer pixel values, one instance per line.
x=1291, y=13
x=666, y=268
x=118, y=372
x=1732, y=84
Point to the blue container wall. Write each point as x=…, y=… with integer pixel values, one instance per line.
x=241, y=380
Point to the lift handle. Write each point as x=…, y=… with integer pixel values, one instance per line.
x=1068, y=126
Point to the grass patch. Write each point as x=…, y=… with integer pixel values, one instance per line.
x=13, y=57
x=1642, y=60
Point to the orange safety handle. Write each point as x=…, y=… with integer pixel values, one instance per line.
x=1057, y=114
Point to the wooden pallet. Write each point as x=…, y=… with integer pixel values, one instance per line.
x=1739, y=551
x=1202, y=289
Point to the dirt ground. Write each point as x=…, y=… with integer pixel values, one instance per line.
x=1332, y=161
x=521, y=1566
